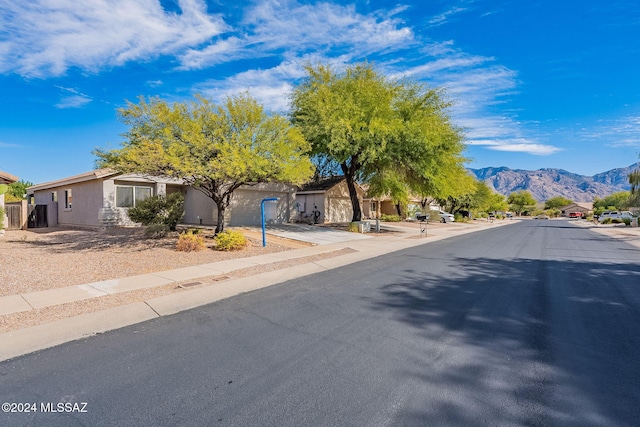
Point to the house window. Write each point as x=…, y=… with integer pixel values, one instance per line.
x=128, y=195
x=68, y=198
x=54, y=196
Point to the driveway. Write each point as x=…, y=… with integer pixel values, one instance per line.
x=313, y=234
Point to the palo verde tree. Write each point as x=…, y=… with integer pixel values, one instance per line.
x=520, y=201
x=214, y=148
x=557, y=202
x=390, y=134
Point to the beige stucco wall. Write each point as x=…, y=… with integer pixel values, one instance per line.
x=338, y=203
x=244, y=208
x=85, y=203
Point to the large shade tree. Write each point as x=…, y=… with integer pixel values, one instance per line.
x=214, y=148
x=520, y=201
x=394, y=135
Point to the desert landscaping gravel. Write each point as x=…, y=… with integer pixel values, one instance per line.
x=39, y=260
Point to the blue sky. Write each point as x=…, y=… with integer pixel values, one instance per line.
x=536, y=84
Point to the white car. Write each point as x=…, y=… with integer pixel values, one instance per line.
x=446, y=216
x=616, y=214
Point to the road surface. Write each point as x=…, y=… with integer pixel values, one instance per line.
x=535, y=323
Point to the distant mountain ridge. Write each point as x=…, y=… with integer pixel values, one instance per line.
x=546, y=183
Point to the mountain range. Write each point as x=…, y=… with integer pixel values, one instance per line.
x=546, y=183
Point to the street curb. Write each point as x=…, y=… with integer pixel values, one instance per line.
x=28, y=340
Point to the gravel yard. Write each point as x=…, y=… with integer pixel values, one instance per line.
x=53, y=258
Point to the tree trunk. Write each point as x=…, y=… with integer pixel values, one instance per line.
x=220, y=224
x=349, y=173
x=399, y=209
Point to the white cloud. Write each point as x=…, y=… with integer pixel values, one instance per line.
x=288, y=28
x=516, y=145
x=442, y=18
x=618, y=133
x=49, y=37
x=154, y=83
x=75, y=101
x=8, y=145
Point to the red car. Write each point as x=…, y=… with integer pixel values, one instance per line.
x=575, y=215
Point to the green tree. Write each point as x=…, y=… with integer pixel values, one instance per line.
x=557, y=202
x=394, y=135
x=17, y=191
x=520, y=201
x=214, y=148
x=615, y=201
x=161, y=210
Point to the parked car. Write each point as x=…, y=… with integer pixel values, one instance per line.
x=616, y=215
x=541, y=216
x=575, y=215
x=444, y=216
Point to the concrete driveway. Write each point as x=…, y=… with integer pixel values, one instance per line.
x=313, y=234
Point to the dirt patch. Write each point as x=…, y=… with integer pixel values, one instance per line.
x=39, y=260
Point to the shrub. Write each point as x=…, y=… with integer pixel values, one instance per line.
x=230, y=241
x=353, y=227
x=627, y=221
x=156, y=231
x=188, y=242
x=390, y=218
x=167, y=210
x=607, y=221
x=2, y=213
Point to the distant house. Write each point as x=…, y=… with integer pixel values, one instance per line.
x=326, y=201
x=5, y=178
x=103, y=197
x=583, y=208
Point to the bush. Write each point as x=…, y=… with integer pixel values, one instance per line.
x=230, y=241
x=627, y=221
x=156, y=231
x=189, y=242
x=2, y=213
x=606, y=221
x=390, y=218
x=353, y=227
x=167, y=210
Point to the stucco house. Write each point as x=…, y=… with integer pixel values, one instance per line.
x=102, y=198
x=5, y=178
x=326, y=201
x=583, y=208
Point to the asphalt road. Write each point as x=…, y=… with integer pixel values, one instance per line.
x=535, y=323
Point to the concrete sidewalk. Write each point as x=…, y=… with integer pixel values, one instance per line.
x=23, y=341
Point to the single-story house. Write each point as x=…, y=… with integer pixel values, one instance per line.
x=374, y=207
x=5, y=178
x=326, y=200
x=102, y=198
x=583, y=208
